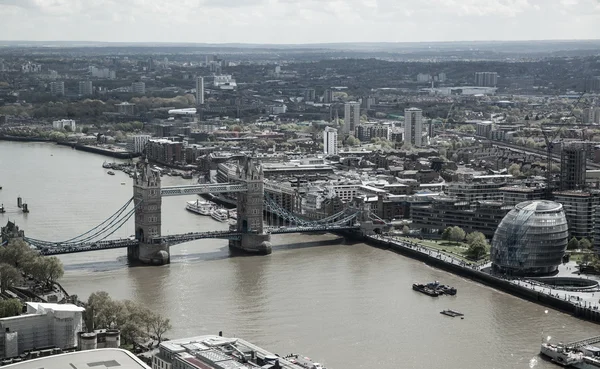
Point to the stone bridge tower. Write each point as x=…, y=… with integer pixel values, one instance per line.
x=250, y=207
x=147, y=200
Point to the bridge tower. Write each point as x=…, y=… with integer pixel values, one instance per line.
x=147, y=200
x=250, y=210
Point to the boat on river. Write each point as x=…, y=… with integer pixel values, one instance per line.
x=434, y=289
x=200, y=207
x=220, y=215
x=110, y=173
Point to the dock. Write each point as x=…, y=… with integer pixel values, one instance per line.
x=584, y=342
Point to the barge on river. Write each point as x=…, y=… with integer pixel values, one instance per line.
x=434, y=289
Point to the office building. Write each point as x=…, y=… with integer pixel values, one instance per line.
x=309, y=94
x=365, y=132
x=125, y=108
x=443, y=212
x=43, y=325
x=486, y=79
x=136, y=144
x=351, y=117
x=165, y=151
x=573, y=166
x=63, y=123
x=104, y=73
x=591, y=115
x=330, y=141
x=138, y=88
x=592, y=84
x=531, y=240
x=413, y=127
x=101, y=358
x=85, y=88
x=367, y=102
x=423, y=77
x=580, y=210
x=479, y=188
x=328, y=96
x=199, y=90
x=216, y=352
x=484, y=129
x=513, y=195
x=57, y=88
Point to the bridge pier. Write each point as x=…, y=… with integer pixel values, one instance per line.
x=253, y=243
x=148, y=202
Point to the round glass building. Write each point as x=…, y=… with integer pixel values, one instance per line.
x=531, y=239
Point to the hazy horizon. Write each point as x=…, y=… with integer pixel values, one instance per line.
x=285, y=22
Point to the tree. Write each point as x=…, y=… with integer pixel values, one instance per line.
x=352, y=141
x=475, y=237
x=446, y=234
x=158, y=325
x=405, y=230
x=10, y=307
x=17, y=253
x=514, y=170
x=85, y=130
x=477, y=249
x=457, y=234
x=573, y=244
x=9, y=276
x=585, y=244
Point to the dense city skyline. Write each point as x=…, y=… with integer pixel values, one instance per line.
x=287, y=22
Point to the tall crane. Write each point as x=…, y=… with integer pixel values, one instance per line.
x=447, y=117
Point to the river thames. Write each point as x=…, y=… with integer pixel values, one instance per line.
x=347, y=305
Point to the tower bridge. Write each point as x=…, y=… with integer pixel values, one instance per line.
x=249, y=234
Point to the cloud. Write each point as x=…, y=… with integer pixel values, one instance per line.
x=293, y=21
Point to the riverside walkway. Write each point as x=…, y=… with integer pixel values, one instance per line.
x=586, y=300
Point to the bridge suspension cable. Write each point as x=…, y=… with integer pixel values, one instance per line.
x=115, y=222
x=115, y=215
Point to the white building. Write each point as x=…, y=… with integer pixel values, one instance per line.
x=413, y=127
x=591, y=115
x=30, y=67
x=137, y=143
x=61, y=124
x=102, y=73
x=57, y=88
x=138, y=88
x=85, y=88
x=225, y=82
x=330, y=141
x=351, y=116
x=486, y=79
x=44, y=325
x=102, y=358
x=199, y=90
x=423, y=77
x=279, y=109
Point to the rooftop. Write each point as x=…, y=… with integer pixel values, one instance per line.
x=539, y=206
x=101, y=358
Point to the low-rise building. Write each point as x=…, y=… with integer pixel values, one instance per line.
x=136, y=144
x=63, y=123
x=42, y=326
x=443, y=212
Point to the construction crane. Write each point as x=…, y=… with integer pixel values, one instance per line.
x=447, y=117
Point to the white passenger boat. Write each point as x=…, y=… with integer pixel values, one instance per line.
x=219, y=215
x=200, y=207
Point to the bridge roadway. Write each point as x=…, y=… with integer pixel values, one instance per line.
x=203, y=189
x=48, y=250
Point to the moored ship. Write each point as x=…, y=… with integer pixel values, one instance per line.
x=581, y=355
x=200, y=207
x=220, y=215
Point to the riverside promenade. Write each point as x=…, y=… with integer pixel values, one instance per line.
x=582, y=303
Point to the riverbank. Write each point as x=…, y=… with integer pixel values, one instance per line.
x=24, y=139
x=106, y=151
x=565, y=301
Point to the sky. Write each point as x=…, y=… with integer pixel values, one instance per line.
x=297, y=21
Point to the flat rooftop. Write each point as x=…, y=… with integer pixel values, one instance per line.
x=99, y=359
